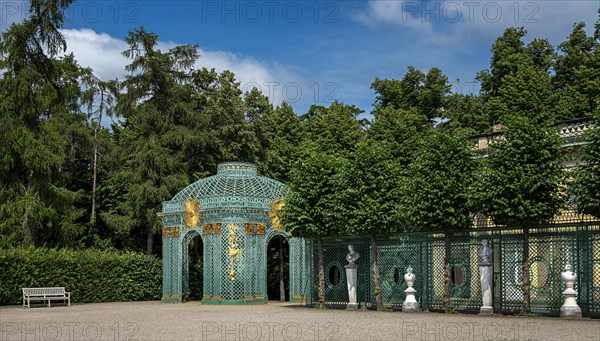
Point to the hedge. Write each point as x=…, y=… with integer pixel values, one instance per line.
x=90, y=275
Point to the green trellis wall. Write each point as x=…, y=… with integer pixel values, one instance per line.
x=232, y=212
x=572, y=238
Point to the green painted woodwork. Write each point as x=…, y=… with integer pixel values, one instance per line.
x=233, y=208
x=574, y=239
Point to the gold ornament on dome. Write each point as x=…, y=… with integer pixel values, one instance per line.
x=276, y=207
x=191, y=214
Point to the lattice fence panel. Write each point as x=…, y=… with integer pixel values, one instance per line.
x=465, y=288
x=336, y=289
x=435, y=287
x=548, y=255
x=394, y=257
x=595, y=277
x=185, y=266
x=511, y=274
x=551, y=247
x=208, y=286
x=465, y=285
x=218, y=265
x=300, y=270
x=334, y=260
x=589, y=275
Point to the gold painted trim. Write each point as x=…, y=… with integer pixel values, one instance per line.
x=191, y=216
x=170, y=232
x=212, y=228
x=245, y=167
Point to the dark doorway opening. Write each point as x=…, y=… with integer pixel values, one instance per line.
x=278, y=265
x=196, y=268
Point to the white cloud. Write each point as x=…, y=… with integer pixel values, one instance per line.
x=102, y=53
x=99, y=51
x=448, y=21
x=400, y=13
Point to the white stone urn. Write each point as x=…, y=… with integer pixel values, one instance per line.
x=569, y=309
x=410, y=303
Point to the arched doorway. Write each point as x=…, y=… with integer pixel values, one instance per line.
x=193, y=267
x=278, y=269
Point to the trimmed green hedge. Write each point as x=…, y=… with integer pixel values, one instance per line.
x=90, y=275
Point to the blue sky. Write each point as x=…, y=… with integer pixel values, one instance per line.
x=312, y=52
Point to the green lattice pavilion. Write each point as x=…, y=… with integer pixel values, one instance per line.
x=234, y=214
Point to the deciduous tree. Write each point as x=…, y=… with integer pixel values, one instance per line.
x=521, y=183
x=439, y=188
x=313, y=209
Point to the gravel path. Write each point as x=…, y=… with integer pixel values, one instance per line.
x=274, y=321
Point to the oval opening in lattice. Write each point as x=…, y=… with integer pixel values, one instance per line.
x=334, y=275
x=456, y=275
x=396, y=275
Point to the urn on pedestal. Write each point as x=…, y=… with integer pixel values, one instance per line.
x=569, y=309
x=410, y=303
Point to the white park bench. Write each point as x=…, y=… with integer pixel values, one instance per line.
x=45, y=294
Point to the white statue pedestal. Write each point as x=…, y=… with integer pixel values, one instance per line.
x=486, y=273
x=351, y=277
x=569, y=309
x=486, y=277
x=410, y=303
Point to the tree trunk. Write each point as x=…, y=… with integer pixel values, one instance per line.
x=281, y=282
x=94, y=181
x=29, y=240
x=30, y=235
x=95, y=165
x=376, y=280
x=150, y=242
x=321, y=274
x=526, y=286
x=447, y=305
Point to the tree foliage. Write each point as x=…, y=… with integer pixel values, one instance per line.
x=369, y=185
x=313, y=210
x=438, y=189
x=577, y=76
x=334, y=129
x=424, y=92
x=586, y=186
x=43, y=132
x=70, y=179
x=521, y=183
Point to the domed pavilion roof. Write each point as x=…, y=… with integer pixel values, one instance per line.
x=236, y=185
